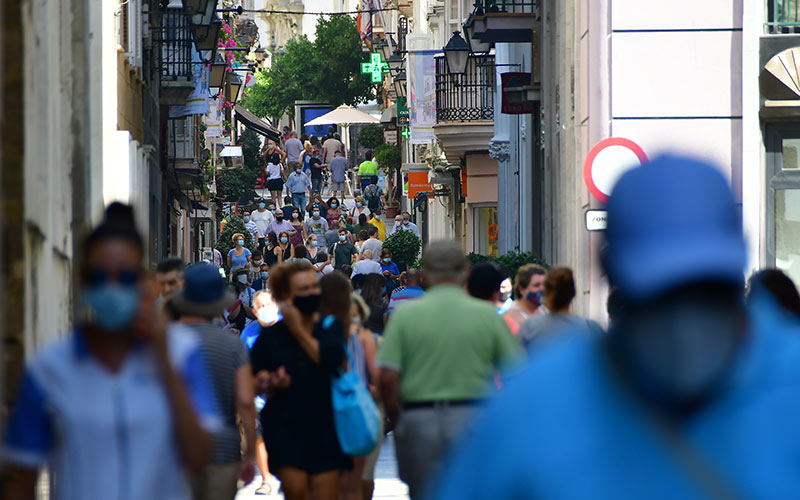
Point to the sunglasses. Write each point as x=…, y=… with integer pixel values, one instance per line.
x=127, y=277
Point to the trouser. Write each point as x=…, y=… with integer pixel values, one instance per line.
x=316, y=185
x=217, y=482
x=299, y=202
x=423, y=437
x=365, y=181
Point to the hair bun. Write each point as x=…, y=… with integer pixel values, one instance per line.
x=119, y=213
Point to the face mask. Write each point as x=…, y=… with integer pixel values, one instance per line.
x=535, y=298
x=405, y=222
x=314, y=243
x=279, y=218
x=295, y=216
x=268, y=315
x=272, y=211
x=316, y=214
x=240, y=243
x=387, y=260
x=334, y=205
x=297, y=170
x=681, y=351
x=261, y=206
x=115, y=306
x=242, y=278
x=284, y=240
x=342, y=238
x=308, y=304
x=257, y=263
x=264, y=275
x=358, y=204
x=246, y=218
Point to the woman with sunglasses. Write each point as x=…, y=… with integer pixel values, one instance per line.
x=110, y=409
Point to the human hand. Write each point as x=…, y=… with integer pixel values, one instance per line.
x=247, y=471
x=386, y=273
x=290, y=313
x=279, y=379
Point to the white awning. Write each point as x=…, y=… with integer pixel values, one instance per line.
x=231, y=151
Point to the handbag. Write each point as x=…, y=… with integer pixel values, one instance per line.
x=355, y=414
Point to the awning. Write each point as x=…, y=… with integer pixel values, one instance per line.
x=231, y=152
x=251, y=121
x=389, y=114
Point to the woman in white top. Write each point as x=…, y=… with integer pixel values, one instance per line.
x=359, y=208
x=275, y=176
x=527, y=293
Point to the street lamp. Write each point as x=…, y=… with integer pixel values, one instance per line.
x=386, y=49
x=395, y=63
x=475, y=45
x=236, y=85
x=216, y=77
x=456, y=53
x=400, y=84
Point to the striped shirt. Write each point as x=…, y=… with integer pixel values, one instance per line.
x=224, y=354
x=401, y=296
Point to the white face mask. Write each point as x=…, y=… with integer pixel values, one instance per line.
x=268, y=315
x=242, y=278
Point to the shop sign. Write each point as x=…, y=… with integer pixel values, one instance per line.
x=402, y=111
x=515, y=79
x=417, y=183
x=596, y=220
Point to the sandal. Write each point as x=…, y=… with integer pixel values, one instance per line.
x=264, y=489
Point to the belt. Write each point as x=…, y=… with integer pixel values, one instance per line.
x=442, y=403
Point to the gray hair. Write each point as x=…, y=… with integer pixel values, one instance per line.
x=259, y=294
x=444, y=261
x=367, y=254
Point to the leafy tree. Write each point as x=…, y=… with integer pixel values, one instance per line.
x=327, y=70
x=511, y=261
x=339, y=56
x=370, y=136
x=405, y=247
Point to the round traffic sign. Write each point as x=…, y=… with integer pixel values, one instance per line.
x=607, y=161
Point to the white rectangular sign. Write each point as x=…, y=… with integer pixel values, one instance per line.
x=596, y=220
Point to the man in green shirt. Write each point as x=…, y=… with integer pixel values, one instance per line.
x=438, y=358
x=366, y=170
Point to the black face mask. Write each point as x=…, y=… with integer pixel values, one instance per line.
x=308, y=304
x=279, y=218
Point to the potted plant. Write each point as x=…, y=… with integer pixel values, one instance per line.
x=405, y=247
x=388, y=157
x=234, y=225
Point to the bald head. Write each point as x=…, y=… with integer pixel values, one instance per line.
x=413, y=277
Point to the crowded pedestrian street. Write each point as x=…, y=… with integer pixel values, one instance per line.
x=400, y=250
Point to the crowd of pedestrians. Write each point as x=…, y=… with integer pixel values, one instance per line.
x=183, y=385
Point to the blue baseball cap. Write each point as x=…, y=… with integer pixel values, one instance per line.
x=671, y=222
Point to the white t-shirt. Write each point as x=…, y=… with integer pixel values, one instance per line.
x=262, y=220
x=366, y=267
x=375, y=245
x=274, y=171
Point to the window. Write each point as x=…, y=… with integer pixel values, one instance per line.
x=484, y=230
x=783, y=199
x=181, y=138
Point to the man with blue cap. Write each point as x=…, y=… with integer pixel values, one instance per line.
x=681, y=400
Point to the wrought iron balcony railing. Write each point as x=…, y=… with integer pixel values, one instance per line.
x=505, y=6
x=783, y=16
x=468, y=97
x=176, y=46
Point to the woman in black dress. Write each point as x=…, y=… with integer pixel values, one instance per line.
x=294, y=361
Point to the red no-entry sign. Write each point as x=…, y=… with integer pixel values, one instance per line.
x=607, y=161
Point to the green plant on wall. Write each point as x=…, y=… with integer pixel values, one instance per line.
x=405, y=247
x=225, y=244
x=511, y=261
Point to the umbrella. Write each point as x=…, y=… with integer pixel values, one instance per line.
x=343, y=115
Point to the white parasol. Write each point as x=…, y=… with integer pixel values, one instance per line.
x=343, y=115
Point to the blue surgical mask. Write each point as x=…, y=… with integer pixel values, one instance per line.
x=316, y=214
x=342, y=238
x=284, y=240
x=240, y=243
x=262, y=205
x=334, y=205
x=535, y=298
x=264, y=275
x=315, y=243
x=246, y=218
x=387, y=259
x=272, y=212
x=358, y=204
x=115, y=306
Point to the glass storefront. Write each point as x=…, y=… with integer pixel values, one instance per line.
x=484, y=230
x=783, y=199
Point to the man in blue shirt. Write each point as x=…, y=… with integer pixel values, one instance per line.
x=688, y=396
x=298, y=184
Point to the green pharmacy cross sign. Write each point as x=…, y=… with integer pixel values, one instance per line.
x=375, y=67
x=406, y=133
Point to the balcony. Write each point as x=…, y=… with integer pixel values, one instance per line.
x=503, y=21
x=177, y=49
x=465, y=106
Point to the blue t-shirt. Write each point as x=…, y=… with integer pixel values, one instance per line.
x=391, y=267
x=565, y=428
x=239, y=260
